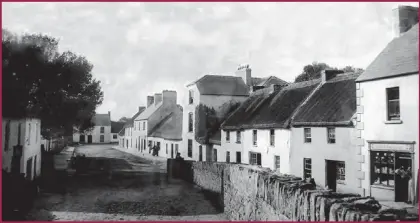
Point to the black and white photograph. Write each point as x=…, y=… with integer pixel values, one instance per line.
x=210, y=111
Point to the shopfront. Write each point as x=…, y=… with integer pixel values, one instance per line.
x=393, y=171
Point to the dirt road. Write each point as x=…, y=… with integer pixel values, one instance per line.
x=138, y=190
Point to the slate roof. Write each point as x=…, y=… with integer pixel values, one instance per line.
x=399, y=57
x=149, y=111
x=130, y=122
x=102, y=120
x=270, y=110
x=116, y=126
x=170, y=127
x=333, y=104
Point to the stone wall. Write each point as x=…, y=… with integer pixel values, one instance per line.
x=252, y=193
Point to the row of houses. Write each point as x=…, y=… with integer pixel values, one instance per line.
x=360, y=129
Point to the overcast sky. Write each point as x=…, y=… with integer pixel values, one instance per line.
x=139, y=49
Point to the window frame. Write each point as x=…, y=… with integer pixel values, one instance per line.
x=190, y=97
x=307, y=139
x=388, y=162
x=254, y=137
x=102, y=130
x=238, y=137
x=390, y=117
x=251, y=158
x=227, y=136
x=190, y=122
x=275, y=163
x=189, y=148
x=102, y=138
x=227, y=156
x=307, y=171
x=272, y=137
x=330, y=139
x=341, y=175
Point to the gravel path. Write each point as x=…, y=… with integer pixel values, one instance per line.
x=144, y=195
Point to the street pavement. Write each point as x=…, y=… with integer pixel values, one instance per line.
x=138, y=189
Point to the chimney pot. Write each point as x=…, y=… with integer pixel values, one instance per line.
x=244, y=72
x=404, y=17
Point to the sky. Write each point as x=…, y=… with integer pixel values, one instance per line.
x=140, y=49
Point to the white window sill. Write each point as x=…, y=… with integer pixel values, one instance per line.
x=394, y=122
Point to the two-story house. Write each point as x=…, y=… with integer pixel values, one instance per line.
x=217, y=95
x=21, y=148
x=258, y=132
x=101, y=132
x=127, y=139
x=324, y=134
x=163, y=105
x=116, y=127
x=387, y=115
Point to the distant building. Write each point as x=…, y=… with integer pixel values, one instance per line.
x=126, y=134
x=167, y=135
x=101, y=132
x=216, y=92
x=324, y=134
x=160, y=107
x=21, y=151
x=258, y=132
x=116, y=127
x=387, y=116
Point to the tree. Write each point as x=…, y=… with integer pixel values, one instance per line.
x=38, y=81
x=123, y=119
x=313, y=71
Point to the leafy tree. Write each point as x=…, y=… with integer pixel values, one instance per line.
x=39, y=81
x=313, y=71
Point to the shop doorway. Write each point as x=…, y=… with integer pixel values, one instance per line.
x=403, y=176
x=331, y=174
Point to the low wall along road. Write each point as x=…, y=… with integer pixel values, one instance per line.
x=249, y=193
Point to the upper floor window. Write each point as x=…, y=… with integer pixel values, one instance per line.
x=307, y=135
x=272, y=134
x=190, y=122
x=254, y=137
x=331, y=135
x=393, y=103
x=102, y=129
x=144, y=125
x=227, y=136
x=191, y=97
x=238, y=136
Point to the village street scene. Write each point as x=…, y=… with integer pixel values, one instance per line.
x=210, y=111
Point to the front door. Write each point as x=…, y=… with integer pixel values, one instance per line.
x=331, y=174
x=82, y=138
x=238, y=157
x=200, y=153
x=403, y=163
x=29, y=169
x=89, y=138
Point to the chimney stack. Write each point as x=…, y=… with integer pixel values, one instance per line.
x=327, y=75
x=109, y=113
x=169, y=97
x=244, y=71
x=150, y=100
x=158, y=98
x=404, y=17
x=141, y=108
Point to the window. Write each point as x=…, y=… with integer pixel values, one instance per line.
x=254, y=137
x=144, y=125
x=200, y=153
x=29, y=134
x=191, y=97
x=176, y=148
x=190, y=122
x=150, y=143
x=238, y=136
x=190, y=148
x=166, y=148
x=382, y=168
x=393, y=103
x=238, y=157
x=276, y=163
x=307, y=135
x=214, y=155
x=331, y=135
x=227, y=157
x=102, y=129
x=272, y=137
x=307, y=168
x=114, y=136
x=135, y=123
x=7, y=136
x=341, y=172
x=227, y=136
x=255, y=158
x=102, y=138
